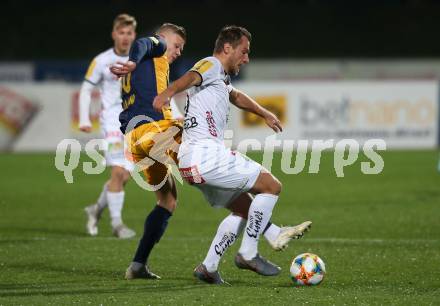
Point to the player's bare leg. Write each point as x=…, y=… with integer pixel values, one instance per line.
x=154, y=227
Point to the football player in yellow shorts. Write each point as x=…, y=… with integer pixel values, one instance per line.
x=152, y=137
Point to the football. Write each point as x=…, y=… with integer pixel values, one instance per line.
x=307, y=270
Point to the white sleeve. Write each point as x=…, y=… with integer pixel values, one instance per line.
x=84, y=104
x=207, y=69
x=94, y=72
x=177, y=100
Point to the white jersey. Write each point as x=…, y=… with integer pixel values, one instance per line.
x=99, y=75
x=109, y=85
x=207, y=107
x=204, y=161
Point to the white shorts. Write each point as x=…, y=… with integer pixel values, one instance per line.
x=115, y=153
x=221, y=174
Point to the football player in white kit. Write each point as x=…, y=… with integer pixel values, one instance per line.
x=226, y=178
x=98, y=74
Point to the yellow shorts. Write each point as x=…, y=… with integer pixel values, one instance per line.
x=154, y=146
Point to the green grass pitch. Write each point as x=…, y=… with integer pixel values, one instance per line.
x=379, y=236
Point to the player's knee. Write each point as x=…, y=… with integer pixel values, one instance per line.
x=271, y=186
x=125, y=177
x=275, y=187
x=169, y=204
x=267, y=183
x=119, y=176
x=279, y=187
x=173, y=206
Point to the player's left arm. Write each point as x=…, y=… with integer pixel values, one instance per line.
x=243, y=101
x=143, y=47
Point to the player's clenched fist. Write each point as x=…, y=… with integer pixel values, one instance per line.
x=160, y=101
x=85, y=128
x=120, y=69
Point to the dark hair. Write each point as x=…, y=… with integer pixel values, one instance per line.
x=173, y=28
x=230, y=34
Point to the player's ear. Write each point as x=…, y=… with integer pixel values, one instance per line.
x=113, y=34
x=227, y=48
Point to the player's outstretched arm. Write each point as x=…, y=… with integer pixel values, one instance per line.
x=188, y=80
x=243, y=101
x=142, y=47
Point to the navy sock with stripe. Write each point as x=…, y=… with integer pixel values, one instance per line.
x=154, y=227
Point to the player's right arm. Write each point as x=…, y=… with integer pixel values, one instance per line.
x=203, y=73
x=188, y=80
x=91, y=79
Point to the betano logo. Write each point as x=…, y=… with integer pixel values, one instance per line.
x=354, y=113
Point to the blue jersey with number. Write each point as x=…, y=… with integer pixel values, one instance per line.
x=149, y=79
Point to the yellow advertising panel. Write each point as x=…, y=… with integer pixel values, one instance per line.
x=277, y=104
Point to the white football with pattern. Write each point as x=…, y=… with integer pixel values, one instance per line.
x=307, y=269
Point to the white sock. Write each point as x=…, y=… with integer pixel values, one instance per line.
x=260, y=212
x=272, y=232
x=102, y=200
x=115, y=203
x=227, y=233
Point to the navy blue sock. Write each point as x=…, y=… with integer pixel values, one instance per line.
x=267, y=226
x=154, y=227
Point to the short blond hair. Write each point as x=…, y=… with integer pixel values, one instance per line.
x=124, y=20
x=172, y=28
